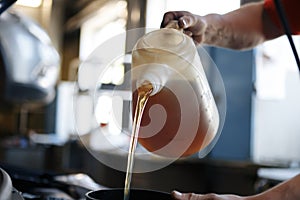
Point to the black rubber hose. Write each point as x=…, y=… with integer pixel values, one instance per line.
x=287, y=30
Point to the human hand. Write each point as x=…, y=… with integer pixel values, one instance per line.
x=192, y=25
x=191, y=196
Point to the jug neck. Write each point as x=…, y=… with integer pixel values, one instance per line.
x=154, y=73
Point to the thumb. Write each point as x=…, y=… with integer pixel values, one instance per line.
x=182, y=196
x=186, y=21
x=176, y=195
x=191, y=196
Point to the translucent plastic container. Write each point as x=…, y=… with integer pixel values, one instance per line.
x=181, y=116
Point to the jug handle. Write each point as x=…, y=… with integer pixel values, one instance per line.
x=174, y=24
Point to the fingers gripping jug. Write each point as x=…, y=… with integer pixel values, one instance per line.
x=181, y=116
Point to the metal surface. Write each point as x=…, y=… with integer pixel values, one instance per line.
x=5, y=4
x=5, y=186
x=29, y=61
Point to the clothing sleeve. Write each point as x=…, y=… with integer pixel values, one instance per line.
x=291, y=9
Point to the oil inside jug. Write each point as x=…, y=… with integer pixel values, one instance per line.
x=180, y=117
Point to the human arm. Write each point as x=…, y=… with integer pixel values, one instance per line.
x=288, y=190
x=243, y=28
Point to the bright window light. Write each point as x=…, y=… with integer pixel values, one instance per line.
x=103, y=109
x=30, y=3
x=199, y=7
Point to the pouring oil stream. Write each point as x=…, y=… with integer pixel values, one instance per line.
x=144, y=92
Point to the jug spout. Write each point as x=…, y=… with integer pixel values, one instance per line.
x=154, y=73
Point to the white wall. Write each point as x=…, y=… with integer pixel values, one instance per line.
x=276, y=106
x=277, y=125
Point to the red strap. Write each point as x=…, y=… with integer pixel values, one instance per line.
x=291, y=9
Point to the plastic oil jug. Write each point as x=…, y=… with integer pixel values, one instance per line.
x=181, y=116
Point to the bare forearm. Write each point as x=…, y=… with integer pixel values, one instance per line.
x=243, y=28
x=289, y=190
x=239, y=29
